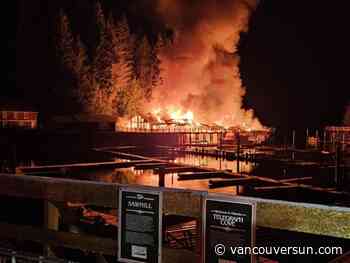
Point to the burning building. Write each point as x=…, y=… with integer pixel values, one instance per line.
x=202, y=89
x=200, y=68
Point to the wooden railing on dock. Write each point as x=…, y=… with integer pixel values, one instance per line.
x=301, y=217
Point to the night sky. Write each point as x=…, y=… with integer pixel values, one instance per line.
x=293, y=59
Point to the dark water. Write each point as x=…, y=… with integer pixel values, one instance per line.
x=147, y=177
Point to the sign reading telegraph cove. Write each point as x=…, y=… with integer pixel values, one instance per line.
x=139, y=231
x=228, y=225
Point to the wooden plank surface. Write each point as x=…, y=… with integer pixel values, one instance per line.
x=55, y=238
x=57, y=189
x=308, y=218
x=80, y=166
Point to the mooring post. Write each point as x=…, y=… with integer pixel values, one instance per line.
x=293, y=145
x=337, y=173
x=51, y=221
x=161, y=177
x=13, y=257
x=317, y=139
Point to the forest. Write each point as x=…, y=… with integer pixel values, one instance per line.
x=116, y=76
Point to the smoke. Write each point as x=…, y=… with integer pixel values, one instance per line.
x=201, y=67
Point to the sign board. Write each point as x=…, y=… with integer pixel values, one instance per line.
x=228, y=224
x=140, y=224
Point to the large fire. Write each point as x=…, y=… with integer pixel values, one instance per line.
x=202, y=84
x=174, y=115
x=173, y=118
x=200, y=68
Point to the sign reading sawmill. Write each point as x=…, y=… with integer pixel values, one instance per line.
x=139, y=231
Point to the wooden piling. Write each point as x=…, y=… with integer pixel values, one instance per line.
x=51, y=222
x=161, y=177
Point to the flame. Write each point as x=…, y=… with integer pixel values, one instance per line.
x=178, y=115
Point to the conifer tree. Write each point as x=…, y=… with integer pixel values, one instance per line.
x=64, y=42
x=143, y=65
x=68, y=79
x=156, y=65
x=123, y=69
x=103, y=58
x=87, y=88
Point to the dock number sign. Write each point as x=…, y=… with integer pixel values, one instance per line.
x=229, y=226
x=139, y=231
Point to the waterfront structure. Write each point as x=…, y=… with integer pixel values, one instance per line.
x=14, y=115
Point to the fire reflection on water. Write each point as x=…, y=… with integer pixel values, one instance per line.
x=149, y=178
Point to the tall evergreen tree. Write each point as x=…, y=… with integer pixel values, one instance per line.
x=103, y=59
x=130, y=99
x=143, y=65
x=64, y=42
x=87, y=88
x=99, y=19
x=123, y=69
x=65, y=49
x=156, y=64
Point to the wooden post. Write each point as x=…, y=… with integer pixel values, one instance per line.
x=161, y=177
x=337, y=173
x=13, y=257
x=51, y=222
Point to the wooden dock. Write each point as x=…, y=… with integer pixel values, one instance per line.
x=80, y=166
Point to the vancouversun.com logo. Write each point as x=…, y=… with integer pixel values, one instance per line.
x=221, y=249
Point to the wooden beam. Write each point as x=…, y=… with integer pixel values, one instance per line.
x=308, y=218
x=274, y=187
x=171, y=170
x=79, y=166
x=150, y=166
x=231, y=182
x=296, y=179
x=203, y=175
x=54, y=238
x=123, y=155
x=61, y=190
